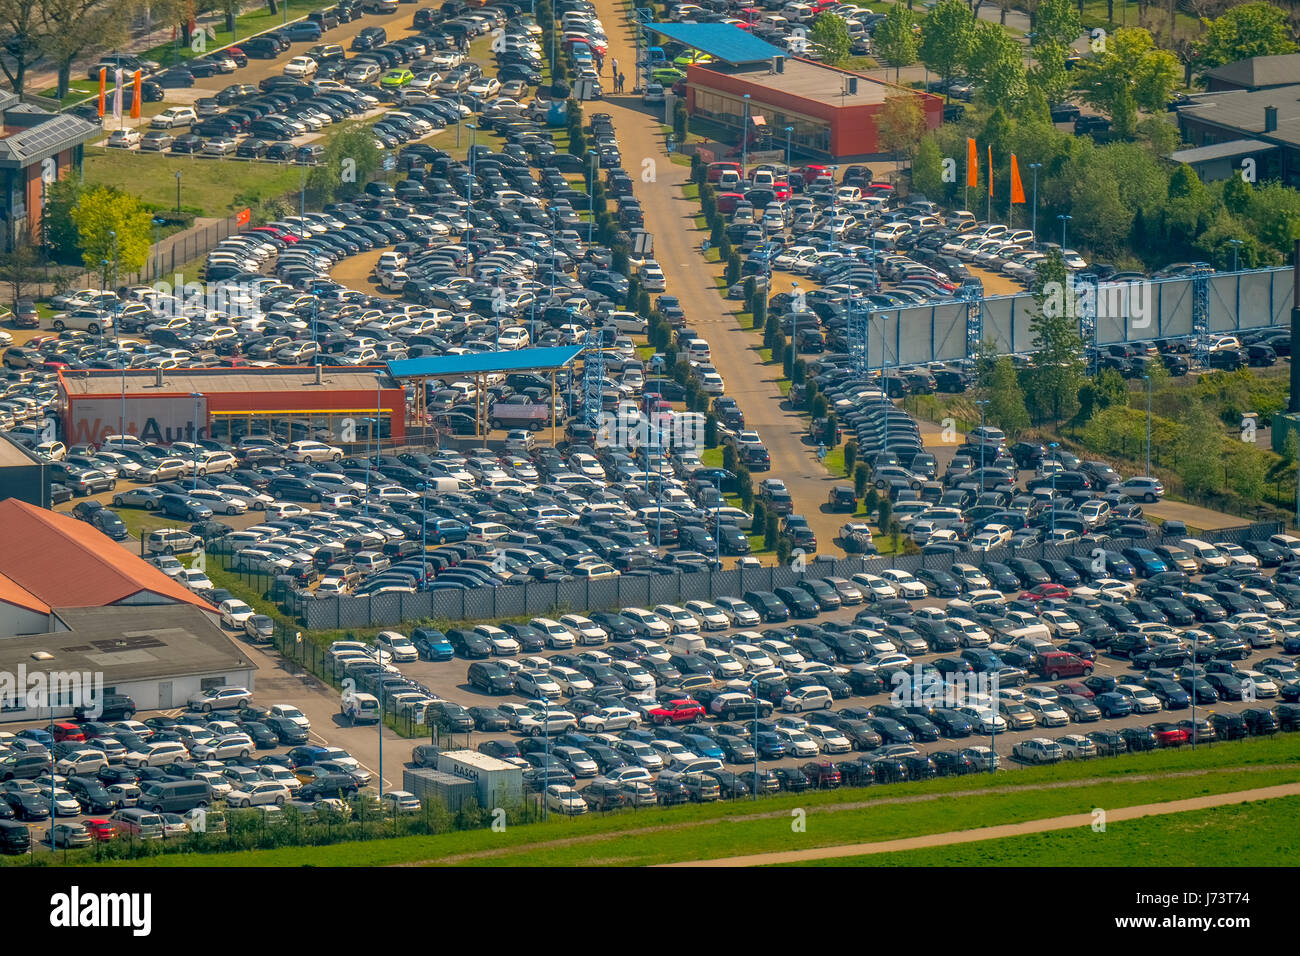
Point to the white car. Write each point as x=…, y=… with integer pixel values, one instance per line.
x=647, y=623
x=587, y=630
x=309, y=451
x=291, y=713
x=808, y=697
x=783, y=652
x=223, y=748
x=195, y=580
x=710, y=616
x=557, y=721
x=875, y=587
x=610, y=718
x=219, y=698
x=985, y=719
x=681, y=620
x=1038, y=750
x=829, y=740
x=1077, y=747
x=571, y=682
x=537, y=683
x=174, y=116
x=260, y=794
x=503, y=645
x=739, y=613
x=398, y=645
x=798, y=743
x=1048, y=713
x=301, y=66
x=564, y=799
x=906, y=585
x=234, y=613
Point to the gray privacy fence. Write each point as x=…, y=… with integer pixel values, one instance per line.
x=543, y=597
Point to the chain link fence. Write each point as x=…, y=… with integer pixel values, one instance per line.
x=545, y=597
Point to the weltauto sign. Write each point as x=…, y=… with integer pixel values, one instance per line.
x=154, y=419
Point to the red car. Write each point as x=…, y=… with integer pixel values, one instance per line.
x=683, y=711
x=1058, y=664
x=1075, y=687
x=823, y=775
x=1169, y=735
x=101, y=830
x=66, y=731
x=1046, y=592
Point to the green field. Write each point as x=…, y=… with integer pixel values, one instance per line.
x=1249, y=834
x=833, y=818
x=209, y=187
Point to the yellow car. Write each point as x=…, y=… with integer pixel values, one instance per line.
x=395, y=78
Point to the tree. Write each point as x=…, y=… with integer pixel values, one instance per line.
x=1050, y=74
x=850, y=456
x=21, y=267
x=861, y=479
x=1057, y=372
x=829, y=36
x=947, y=33
x=996, y=63
x=1253, y=29
x=771, y=530
x=103, y=211
x=60, y=230
x=1131, y=74
x=1056, y=21
x=1247, y=474
x=928, y=170
x=1199, y=448
x=1007, y=399
x=74, y=29
x=350, y=160
x=20, y=40
x=894, y=41
x=901, y=124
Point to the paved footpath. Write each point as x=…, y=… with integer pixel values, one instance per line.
x=1070, y=822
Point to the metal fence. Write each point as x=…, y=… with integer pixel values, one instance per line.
x=541, y=598
x=170, y=254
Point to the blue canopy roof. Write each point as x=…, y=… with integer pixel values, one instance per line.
x=720, y=40
x=512, y=360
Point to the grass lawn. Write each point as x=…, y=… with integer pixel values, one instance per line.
x=833, y=817
x=834, y=461
x=1254, y=834
x=712, y=457
x=140, y=522
x=209, y=187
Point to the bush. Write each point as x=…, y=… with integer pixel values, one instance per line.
x=778, y=349
x=861, y=478
x=886, y=515
x=760, y=516
x=798, y=372
x=832, y=426
x=729, y=457
x=771, y=528
x=711, y=431
x=783, y=548
x=760, y=313
x=871, y=500
x=733, y=269
x=850, y=455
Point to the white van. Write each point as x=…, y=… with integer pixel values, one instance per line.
x=684, y=644
x=1204, y=554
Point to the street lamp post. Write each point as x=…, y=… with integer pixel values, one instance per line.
x=1034, y=209
x=591, y=198
x=1064, y=219
x=1236, y=246
x=753, y=687
x=983, y=404
x=1052, y=447
x=178, y=192
x=196, y=396
x=1147, y=379
x=788, y=130
x=744, y=140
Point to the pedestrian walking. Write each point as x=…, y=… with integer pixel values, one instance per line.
x=613, y=68
x=622, y=82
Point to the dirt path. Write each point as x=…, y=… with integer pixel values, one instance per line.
x=1072, y=821
x=670, y=217
x=833, y=808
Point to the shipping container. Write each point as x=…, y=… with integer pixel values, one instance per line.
x=433, y=786
x=498, y=783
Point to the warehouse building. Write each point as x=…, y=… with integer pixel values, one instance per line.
x=832, y=114
x=23, y=474
x=51, y=560
x=291, y=404
x=158, y=656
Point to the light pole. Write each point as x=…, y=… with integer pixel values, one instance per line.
x=1051, y=448
x=178, y=192
x=744, y=140
x=1236, y=246
x=788, y=130
x=1064, y=219
x=546, y=728
x=1034, y=209
x=1147, y=379
x=194, y=486
x=794, y=326
x=983, y=404
x=753, y=686
x=1195, y=730
x=591, y=198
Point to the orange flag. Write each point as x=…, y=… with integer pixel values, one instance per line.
x=135, y=98
x=990, y=169
x=1017, y=188
x=972, y=163
x=103, y=88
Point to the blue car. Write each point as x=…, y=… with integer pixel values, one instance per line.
x=432, y=644
x=769, y=745
x=302, y=32
x=447, y=529
x=704, y=746
x=1146, y=562
x=1113, y=705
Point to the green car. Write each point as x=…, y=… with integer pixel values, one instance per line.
x=399, y=77
x=667, y=75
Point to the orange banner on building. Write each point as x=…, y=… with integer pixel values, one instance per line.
x=103, y=88
x=1017, y=188
x=990, y=169
x=972, y=163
